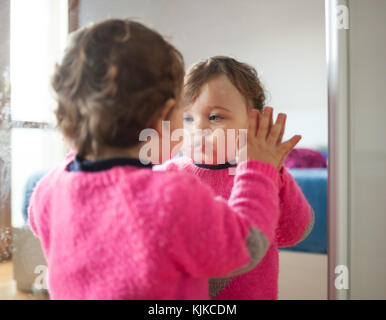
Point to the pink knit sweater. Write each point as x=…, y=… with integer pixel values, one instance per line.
x=117, y=230
x=295, y=223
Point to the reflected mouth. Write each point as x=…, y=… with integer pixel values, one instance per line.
x=201, y=146
x=198, y=148
x=198, y=145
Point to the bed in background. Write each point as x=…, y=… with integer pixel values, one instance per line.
x=313, y=183
x=309, y=169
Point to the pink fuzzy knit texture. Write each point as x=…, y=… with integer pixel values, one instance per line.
x=260, y=283
x=134, y=233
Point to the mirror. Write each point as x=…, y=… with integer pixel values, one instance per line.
x=283, y=40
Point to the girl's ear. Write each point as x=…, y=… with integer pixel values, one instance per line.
x=168, y=108
x=165, y=113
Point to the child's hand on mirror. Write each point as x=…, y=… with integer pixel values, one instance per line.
x=264, y=138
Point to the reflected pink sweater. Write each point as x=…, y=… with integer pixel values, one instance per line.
x=127, y=232
x=295, y=223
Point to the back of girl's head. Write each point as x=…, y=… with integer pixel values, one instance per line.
x=112, y=82
x=243, y=76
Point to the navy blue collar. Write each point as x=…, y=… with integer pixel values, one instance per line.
x=80, y=164
x=220, y=166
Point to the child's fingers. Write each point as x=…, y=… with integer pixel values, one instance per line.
x=282, y=129
x=270, y=124
x=290, y=144
x=258, y=116
x=262, y=131
x=252, y=122
x=276, y=130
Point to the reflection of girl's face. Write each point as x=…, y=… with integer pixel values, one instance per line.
x=219, y=105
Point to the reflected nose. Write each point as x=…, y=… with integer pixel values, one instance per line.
x=201, y=132
x=200, y=124
x=198, y=130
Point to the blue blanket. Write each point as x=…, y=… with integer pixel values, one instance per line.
x=313, y=183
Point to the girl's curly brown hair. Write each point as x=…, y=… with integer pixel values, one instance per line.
x=112, y=82
x=242, y=75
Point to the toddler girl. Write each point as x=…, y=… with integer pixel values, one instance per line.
x=112, y=228
x=219, y=93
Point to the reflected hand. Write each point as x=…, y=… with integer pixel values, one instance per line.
x=265, y=138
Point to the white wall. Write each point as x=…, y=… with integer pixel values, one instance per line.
x=367, y=149
x=283, y=39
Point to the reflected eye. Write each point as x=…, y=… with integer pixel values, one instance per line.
x=215, y=117
x=188, y=119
